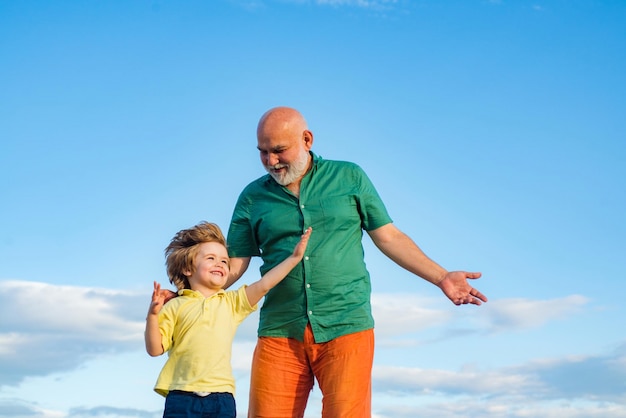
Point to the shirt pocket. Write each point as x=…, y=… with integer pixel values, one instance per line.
x=340, y=213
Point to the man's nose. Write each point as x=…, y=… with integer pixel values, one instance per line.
x=272, y=159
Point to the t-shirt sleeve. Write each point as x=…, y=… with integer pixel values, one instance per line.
x=240, y=303
x=167, y=319
x=371, y=207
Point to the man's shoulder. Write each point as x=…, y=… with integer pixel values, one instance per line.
x=339, y=168
x=257, y=184
x=259, y=180
x=337, y=164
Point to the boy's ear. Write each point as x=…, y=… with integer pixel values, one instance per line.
x=187, y=273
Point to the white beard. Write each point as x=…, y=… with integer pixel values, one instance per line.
x=294, y=171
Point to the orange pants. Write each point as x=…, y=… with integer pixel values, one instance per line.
x=283, y=370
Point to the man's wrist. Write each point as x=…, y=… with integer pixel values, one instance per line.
x=440, y=279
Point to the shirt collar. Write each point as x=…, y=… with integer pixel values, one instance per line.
x=196, y=294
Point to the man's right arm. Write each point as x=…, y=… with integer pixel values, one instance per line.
x=238, y=266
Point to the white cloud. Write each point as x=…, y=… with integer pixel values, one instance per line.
x=486, y=408
x=576, y=387
x=595, y=384
x=466, y=382
x=15, y=408
x=516, y=314
x=9, y=343
x=410, y=320
x=401, y=314
x=36, y=307
x=57, y=328
x=111, y=412
x=242, y=356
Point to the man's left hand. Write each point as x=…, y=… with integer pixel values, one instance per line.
x=456, y=287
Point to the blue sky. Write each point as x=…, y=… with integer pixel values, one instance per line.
x=494, y=131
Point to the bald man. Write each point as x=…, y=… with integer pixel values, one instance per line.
x=317, y=323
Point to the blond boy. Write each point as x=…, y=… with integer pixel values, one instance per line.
x=197, y=327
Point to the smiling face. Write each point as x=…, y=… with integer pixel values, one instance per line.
x=284, y=143
x=211, y=267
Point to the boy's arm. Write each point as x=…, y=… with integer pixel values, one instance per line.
x=260, y=288
x=154, y=347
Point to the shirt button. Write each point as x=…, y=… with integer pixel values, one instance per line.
x=306, y=258
x=310, y=312
x=308, y=286
x=302, y=206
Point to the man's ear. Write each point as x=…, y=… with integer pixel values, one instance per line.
x=307, y=136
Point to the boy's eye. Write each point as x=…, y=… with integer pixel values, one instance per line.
x=225, y=262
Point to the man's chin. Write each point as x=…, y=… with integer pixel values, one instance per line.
x=279, y=179
x=282, y=183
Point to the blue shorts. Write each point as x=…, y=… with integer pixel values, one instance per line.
x=179, y=404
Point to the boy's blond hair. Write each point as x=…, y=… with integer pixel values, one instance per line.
x=183, y=248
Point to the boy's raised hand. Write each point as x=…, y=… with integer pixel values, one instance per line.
x=260, y=288
x=152, y=336
x=298, y=251
x=158, y=299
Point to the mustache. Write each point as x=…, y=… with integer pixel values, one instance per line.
x=276, y=166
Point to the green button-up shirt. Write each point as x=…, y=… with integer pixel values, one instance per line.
x=331, y=287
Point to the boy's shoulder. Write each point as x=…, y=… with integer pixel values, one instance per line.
x=183, y=295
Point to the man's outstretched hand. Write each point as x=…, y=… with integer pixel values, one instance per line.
x=455, y=285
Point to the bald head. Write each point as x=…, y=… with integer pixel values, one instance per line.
x=281, y=119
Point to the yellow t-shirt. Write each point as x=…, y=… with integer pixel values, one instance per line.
x=197, y=333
